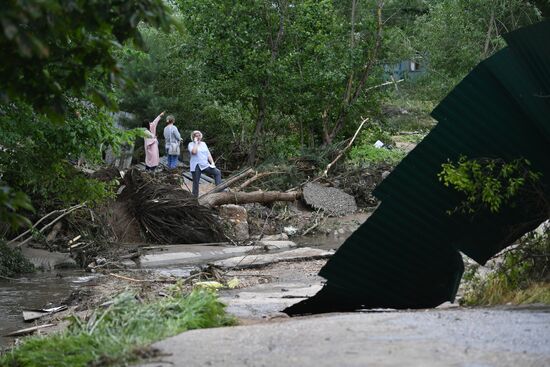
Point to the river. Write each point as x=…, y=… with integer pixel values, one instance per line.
x=34, y=291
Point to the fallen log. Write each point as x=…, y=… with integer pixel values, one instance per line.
x=263, y=197
x=230, y=181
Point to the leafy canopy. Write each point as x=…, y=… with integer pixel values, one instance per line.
x=51, y=47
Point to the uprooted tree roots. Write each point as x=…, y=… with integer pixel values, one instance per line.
x=168, y=214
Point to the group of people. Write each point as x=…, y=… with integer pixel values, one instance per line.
x=200, y=158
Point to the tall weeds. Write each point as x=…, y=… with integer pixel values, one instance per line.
x=121, y=332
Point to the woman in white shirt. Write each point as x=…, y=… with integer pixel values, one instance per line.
x=201, y=161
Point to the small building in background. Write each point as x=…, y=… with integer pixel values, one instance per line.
x=406, y=69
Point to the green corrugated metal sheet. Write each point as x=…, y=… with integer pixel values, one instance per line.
x=406, y=255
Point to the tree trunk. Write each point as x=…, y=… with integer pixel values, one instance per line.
x=258, y=131
x=350, y=97
x=248, y=197
x=274, y=45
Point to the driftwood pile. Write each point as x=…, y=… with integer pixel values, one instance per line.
x=168, y=214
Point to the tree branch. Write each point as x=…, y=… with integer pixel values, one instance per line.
x=325, y=173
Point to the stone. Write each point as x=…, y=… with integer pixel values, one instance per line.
x=236, y=217
x=331, y=200
x=290, y=230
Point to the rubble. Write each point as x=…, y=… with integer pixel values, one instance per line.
x=330, y=199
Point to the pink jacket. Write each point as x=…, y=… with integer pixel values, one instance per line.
x=152, y=145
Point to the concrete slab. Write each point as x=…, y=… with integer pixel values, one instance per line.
x=192, y=254
x=267, y=300
x=462, y=337
x=200, y=254
x=250, y=261
x=47, y=260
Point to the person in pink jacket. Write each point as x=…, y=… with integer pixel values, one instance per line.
x=151, y=144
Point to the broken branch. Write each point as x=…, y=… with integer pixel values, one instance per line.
x=64, y=213
x=325, y=173
x=228, y=182
x=255, y=178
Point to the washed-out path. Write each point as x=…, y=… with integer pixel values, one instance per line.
x=440, y=337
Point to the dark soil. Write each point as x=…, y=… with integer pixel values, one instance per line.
x=359, y=182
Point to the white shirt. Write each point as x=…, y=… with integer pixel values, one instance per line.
x=201, y=158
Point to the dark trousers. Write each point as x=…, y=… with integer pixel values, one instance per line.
x=209, y=171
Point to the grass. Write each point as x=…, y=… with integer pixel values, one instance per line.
x=411, y=122
x=120, y=333
x=522, y=275
x=413, y=138
x=497, y=291
x=408, y=113
x=368, y=154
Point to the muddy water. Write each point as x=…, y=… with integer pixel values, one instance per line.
x=322, y=241
x=333, y=231
x=47, y=289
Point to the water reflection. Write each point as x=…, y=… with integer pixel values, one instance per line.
x=34, y=291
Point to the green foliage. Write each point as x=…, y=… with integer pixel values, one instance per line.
x=456, y=35
x=406, y=110
x=255, y=76
x=112, y=336
x=521, y=276
x=489, y=183
x=365, y=153
x=368, y=154
x=376, y=132
x=51, y=47
x=412, y=138
x=36, y=152
x=10, y=202
x=58, y=56
x=12, y=261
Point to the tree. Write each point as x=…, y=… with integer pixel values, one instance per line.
x=58, y=55
x=51, y=47
x=456, y=35
x=299, y=67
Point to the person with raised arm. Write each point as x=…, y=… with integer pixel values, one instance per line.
x=151, y=143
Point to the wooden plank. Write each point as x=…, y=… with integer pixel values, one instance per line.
x=30, y=315
x=29, y=330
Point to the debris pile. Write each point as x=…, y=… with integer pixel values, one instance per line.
x=360, y=182
x=168, y=214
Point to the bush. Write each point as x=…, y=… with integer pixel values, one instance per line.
x=12, y=201
x=493, y=183
x=12, y=261
x=522, y=275
x=36, y=152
